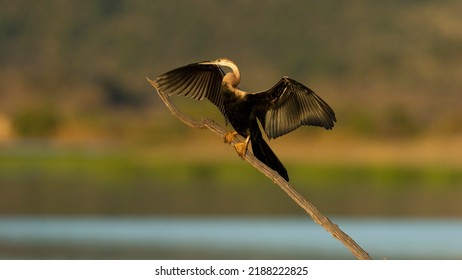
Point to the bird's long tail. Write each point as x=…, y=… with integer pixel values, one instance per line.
x=264, y=153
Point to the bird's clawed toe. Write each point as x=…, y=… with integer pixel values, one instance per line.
x=229, y=137
x=241, y=149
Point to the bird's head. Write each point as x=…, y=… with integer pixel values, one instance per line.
x=225, y=62
x=233, y=77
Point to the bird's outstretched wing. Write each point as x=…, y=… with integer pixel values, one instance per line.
x=195, y=80
x=289, y=105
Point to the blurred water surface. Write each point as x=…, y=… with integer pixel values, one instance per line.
x=223, y=238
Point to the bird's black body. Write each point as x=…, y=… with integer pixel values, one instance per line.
x=242, y=114
x=280, y=109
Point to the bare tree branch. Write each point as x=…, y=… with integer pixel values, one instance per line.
x=315, y=214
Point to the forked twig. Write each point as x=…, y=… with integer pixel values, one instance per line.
x=315, y=214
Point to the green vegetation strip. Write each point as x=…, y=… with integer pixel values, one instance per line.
x=55, y=182
x=129, y=168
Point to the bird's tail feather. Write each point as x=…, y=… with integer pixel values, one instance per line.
x=264, y=153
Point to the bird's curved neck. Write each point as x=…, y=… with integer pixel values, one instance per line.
x=232, y=78
x=237, y=74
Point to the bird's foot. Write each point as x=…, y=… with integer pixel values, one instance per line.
x=229, y=137
x=241, y=149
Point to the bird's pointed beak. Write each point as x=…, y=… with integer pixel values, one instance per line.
x=208, y=62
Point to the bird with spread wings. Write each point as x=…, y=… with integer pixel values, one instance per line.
x=280, y=109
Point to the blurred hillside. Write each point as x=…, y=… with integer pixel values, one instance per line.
x=82, y=132
x=75, y=70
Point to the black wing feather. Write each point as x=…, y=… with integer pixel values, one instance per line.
x=289, y=105
x=195, y=80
